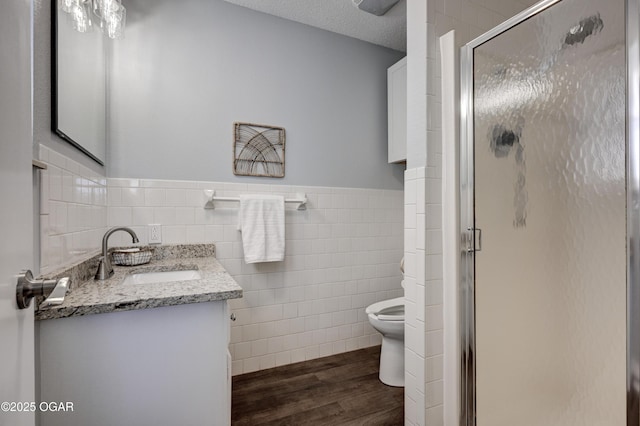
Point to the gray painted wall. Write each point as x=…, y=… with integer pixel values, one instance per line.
x=186, y=71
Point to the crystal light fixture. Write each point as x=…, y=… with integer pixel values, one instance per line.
x=108, y=15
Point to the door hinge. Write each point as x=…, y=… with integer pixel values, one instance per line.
x=474, y=240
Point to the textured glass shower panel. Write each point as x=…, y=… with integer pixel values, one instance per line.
x=549, y=141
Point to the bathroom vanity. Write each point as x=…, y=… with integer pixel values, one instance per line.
x=125, y=352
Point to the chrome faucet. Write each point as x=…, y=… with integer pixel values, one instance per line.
x=105, y=270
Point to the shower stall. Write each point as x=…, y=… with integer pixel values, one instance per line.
x=550, y=205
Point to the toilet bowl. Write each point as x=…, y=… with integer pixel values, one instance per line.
x=388, y=318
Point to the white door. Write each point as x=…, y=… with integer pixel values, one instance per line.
x=16, y=230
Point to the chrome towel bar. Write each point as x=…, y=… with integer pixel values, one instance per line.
x=301, y=200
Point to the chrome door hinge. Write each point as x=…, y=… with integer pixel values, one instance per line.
x=474, y=240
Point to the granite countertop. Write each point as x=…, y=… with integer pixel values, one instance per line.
x=89, y=296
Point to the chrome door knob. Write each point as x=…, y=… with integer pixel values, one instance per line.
x=27, y=288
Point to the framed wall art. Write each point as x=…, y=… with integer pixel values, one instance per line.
x=258, y=150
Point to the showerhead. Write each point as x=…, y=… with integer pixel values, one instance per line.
x=502, y=140
x=583, y=29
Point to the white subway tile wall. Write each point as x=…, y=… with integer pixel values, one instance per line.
x=73, y=211
x=342, y=254
x=470, y=18
x=416, y=313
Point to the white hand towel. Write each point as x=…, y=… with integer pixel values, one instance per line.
x=261, y=221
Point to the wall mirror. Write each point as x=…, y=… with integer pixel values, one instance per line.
x=78, y=73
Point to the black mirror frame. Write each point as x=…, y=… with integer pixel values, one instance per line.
x=54, y=86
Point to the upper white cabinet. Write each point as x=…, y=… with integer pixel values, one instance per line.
x=397, y=111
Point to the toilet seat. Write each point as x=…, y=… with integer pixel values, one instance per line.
x=388, y=310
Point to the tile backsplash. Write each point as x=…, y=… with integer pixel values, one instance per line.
x=342, y=254
x=73, y=211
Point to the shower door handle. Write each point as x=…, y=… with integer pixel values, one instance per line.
x=474, y=240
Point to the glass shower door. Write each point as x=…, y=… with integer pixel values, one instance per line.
x=549, y=199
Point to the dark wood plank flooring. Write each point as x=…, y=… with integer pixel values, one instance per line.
x=342, y=389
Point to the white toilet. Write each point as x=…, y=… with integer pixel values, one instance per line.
x=388, y=318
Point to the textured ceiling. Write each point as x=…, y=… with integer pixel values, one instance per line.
x=342, y=17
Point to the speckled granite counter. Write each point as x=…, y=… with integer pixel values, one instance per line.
x=89, y=297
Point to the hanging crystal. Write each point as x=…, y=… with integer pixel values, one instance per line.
x=81, y=17
x=115, y=22
x=67, y=5
x=108, y=15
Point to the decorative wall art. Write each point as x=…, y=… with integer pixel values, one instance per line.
x=258, y=150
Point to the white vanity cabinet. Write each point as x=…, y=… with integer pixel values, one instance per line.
x=162, y=366
x=397, y=111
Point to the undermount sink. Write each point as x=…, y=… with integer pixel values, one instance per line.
x=162, y=277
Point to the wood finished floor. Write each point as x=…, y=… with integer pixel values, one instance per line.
x=341, y=389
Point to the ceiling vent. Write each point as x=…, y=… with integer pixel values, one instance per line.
x=377, y=7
